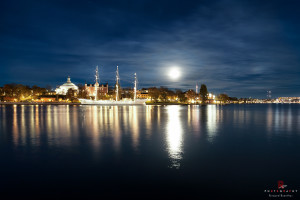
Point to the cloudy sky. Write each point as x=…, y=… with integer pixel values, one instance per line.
x=242, y=48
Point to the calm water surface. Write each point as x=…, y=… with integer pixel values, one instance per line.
x=179, y=152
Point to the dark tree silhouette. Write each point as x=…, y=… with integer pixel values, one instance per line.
x=223, y=98
x=181, y=96
x=203, y=93
x=191, y=94
x=154, y=94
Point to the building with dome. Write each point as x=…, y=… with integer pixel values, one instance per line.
x=63, y=89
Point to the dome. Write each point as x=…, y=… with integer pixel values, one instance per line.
x=63, y=89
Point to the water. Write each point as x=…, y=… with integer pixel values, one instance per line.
x=178, y=152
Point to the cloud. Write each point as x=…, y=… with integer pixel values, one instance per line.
x=241, y=48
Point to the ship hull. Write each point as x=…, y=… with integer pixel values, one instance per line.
x=111, y=102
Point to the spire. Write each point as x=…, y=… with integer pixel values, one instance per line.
x=117, y=84
x=134, y=97
x=69, y=79
x=97, y=75
x=96, y=84
x=117, y=75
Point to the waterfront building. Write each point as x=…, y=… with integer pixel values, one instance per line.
x=91, y=89
x=96, y=90
x=142, y=94
x=211, y=98
x=126, y=93
x=9, y=99
x=63, y=89
x=289, y=99
x=50, y=98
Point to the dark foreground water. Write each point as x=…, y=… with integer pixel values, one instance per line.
x=139, y=152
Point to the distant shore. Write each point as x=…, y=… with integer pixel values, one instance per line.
x=168, y=103
x=38, y=103
x=65, y=103
x=147, y=103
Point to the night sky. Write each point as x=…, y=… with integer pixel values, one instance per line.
x=242, y=48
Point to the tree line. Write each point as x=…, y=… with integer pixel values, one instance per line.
x=19, y=91
x=161, y=94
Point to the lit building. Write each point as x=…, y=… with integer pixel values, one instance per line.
x=211, y=98
x=91, y=91
x=63, y=89
x=142, y=94
x=289, y=99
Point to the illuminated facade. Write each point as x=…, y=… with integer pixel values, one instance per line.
x=63, y=89
x=91, y=91
x=289, y=99
x=211, y=98
x=142, y=94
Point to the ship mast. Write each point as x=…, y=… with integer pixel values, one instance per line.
x=117, y=84
x=134, y=97
x=96, y=84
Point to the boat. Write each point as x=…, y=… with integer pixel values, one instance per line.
x=112, y=102
x=117, y=101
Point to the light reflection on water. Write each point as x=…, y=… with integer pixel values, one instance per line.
x=212, y=123
x=174, y=135
x=73, y=126
x=282, y=119
x=175, y=150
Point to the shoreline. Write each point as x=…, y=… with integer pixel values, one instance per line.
x=168, y=103
x=65, y=103
x=149, y=103
x=38, y=103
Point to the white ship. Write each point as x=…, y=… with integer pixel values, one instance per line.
x=112, y=102
x=135, y=101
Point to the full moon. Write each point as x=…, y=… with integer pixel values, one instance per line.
x=174, y=73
